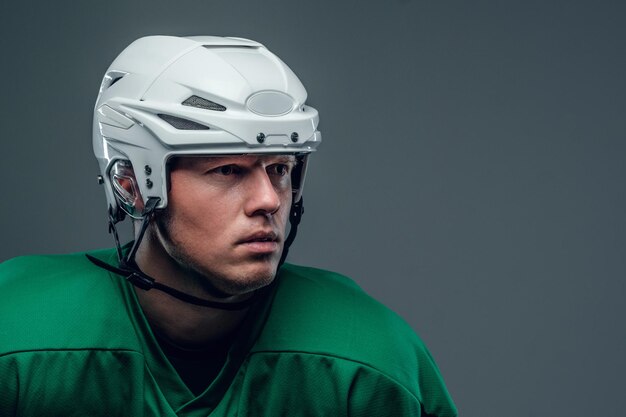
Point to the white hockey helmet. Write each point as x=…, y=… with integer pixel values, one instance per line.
x=167, y=96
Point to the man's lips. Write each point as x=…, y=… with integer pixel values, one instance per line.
x=261, y=242
x=260, y=236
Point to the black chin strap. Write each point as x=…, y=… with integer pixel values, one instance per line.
x=146, y=282
x=128, y=268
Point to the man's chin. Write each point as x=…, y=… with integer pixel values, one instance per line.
x=246, y=279
x=243, y=287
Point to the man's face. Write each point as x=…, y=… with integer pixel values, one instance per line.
x=226, y=218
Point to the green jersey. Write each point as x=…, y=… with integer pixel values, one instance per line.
x=74, y=342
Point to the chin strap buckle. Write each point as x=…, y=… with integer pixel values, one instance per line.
x=142, y=281
x=297, y=210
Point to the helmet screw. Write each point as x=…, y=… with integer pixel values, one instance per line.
x=149, y=183
x=100, y=179
x=147, y=170
x=260, y=137
x=294, y=137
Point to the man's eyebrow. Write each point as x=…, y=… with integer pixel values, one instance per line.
x=286, y=159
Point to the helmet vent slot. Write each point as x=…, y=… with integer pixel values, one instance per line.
x=201, y=103
x=182, y=124
x=116, y=79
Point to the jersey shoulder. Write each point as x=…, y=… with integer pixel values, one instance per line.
x=52, y=302
x=334, y=305
x=327, y=314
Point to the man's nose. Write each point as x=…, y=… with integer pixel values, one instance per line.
x=263, y=197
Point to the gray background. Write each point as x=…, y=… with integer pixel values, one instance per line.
x=471, y=175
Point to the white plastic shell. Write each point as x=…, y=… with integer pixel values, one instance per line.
x=263, y=100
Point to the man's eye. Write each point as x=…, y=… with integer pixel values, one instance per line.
x=227, y=170
x=279, y=169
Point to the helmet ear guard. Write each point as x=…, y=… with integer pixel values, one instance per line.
x=126, y=190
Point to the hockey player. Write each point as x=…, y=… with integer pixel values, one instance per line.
x=203, y=143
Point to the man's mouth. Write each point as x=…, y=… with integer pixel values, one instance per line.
x=261, y=242
x=261, y=236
